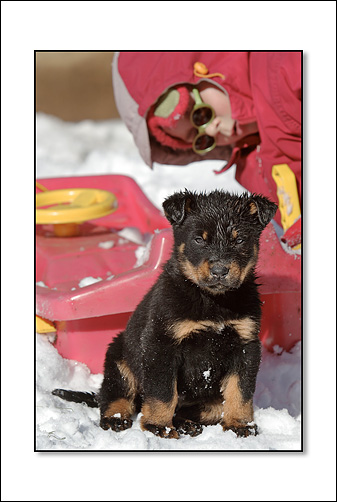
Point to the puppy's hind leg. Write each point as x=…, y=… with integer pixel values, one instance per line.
x=118, y=391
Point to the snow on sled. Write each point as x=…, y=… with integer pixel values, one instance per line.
x=99, y=249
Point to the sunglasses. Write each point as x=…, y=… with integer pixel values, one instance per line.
x=201, y=116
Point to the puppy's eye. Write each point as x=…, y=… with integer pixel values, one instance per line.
x=239, y=241
x=199, y=240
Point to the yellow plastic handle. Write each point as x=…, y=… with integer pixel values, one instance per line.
x=44, y=325
x=73, y=205
x=289, y=203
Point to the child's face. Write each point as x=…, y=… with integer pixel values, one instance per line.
x=223, y=127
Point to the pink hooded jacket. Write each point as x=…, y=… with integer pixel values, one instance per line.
x=264, y=87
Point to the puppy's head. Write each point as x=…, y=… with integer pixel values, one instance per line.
x=216, y=236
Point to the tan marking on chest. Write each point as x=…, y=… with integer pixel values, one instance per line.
x=246, y=328
x=183, y=329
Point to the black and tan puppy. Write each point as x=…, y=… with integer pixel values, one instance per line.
x=191, y=351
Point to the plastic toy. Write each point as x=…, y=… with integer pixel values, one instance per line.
x=90, y=275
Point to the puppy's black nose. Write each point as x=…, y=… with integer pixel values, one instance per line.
x=219, y=271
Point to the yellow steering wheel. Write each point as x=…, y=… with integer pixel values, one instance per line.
x=70, y=206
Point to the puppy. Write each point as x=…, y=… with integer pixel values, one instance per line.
x=190, y=353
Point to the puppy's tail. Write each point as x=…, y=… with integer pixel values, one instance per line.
x=89, y=398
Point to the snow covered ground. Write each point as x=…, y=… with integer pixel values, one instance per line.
x=88, y=148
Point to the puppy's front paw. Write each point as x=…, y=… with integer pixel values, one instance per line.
x=242, y=431
x=116, y=424
x=163, y=432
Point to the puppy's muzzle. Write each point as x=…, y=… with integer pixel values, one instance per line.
x=222, y=276
x=218, y=271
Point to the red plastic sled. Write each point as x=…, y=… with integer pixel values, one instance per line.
x=86, y=318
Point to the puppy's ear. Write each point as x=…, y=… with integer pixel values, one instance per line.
x=177, y=206
x=263, y=208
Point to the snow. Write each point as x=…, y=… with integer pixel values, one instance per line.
x=142, y=254
x=86, y=281
x=106, y=244
x=103, y=148
x=207, y=374
x=133, y=234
